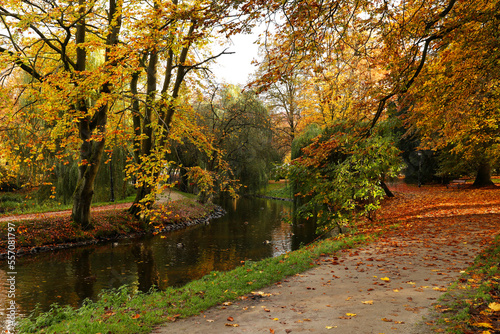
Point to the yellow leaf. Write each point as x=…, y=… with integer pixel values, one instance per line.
x=351, y=314
x=276, y=319
x=330, y=327
x=483, y=324
x=385, y=279
x=369, y=302
x=386, y=320
x=494, y=306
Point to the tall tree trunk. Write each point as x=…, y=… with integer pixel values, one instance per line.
x=90, y=159
x=145, y=188
x=483, y=176
x=91, y=151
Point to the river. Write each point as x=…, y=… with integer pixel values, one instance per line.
x=252, y=229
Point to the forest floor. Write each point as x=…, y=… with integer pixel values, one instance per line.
x=390, y=285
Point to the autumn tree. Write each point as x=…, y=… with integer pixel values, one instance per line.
x=50, y=41
x=175, y=34
x=339, y=174
x=455, y=102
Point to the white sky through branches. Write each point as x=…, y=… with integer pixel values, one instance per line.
x=236, y=68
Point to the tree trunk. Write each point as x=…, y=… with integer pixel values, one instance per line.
x=483, y=176
x=388, y=192
x=91, y=152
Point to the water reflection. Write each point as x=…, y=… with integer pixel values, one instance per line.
x=252, y=229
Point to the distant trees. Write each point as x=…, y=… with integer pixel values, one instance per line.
x=238, y=126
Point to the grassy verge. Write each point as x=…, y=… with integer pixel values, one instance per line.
x=50, y=231
x=22, y=202
x=472, y=304
x=280, y=189
x=16, y=203
x=119, y=311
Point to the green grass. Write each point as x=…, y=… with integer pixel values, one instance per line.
x=466, y=302
x=278, y=189
x=14, y=203
x=120, y=311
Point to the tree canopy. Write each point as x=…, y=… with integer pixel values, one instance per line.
x=83, y=79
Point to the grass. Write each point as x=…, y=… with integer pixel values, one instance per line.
x=280, y=189
x=15, y=203
x=465, y=308
x=120, y=311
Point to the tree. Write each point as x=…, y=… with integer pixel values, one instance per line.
x=341, y=174
x=237, y=126
x=456, y=100
x=50, y=41
x=176, y=33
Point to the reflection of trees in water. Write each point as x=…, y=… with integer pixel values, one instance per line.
x=81, y=273
x=84, y=279
x=147, y=273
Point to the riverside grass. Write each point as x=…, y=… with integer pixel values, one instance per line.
x=126, y=311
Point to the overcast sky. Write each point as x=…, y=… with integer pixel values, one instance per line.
x=235, y=68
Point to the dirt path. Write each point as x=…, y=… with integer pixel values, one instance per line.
x=385, y=287
x=165, y=197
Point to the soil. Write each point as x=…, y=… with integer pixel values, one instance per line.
x=388, y=286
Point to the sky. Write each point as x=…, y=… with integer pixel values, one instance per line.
x=236, y=68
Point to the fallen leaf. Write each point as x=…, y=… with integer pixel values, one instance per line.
x=227, y=303
x=136, y=316
x=368, y=302
x=271, y=330
x=210, y=320
x=276, y=319
x=387, y=279
x=231, y=325
x=230, y=319
x=351, y=314
x=483, y=324
x=494, y=306
x=386, y=320
x=330, y=327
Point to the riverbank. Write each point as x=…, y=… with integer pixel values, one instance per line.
x=43, y=232
x=388, y=284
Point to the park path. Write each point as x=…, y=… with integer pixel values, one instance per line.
x=386, y=287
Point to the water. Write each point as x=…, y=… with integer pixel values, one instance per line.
x=252, y=229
